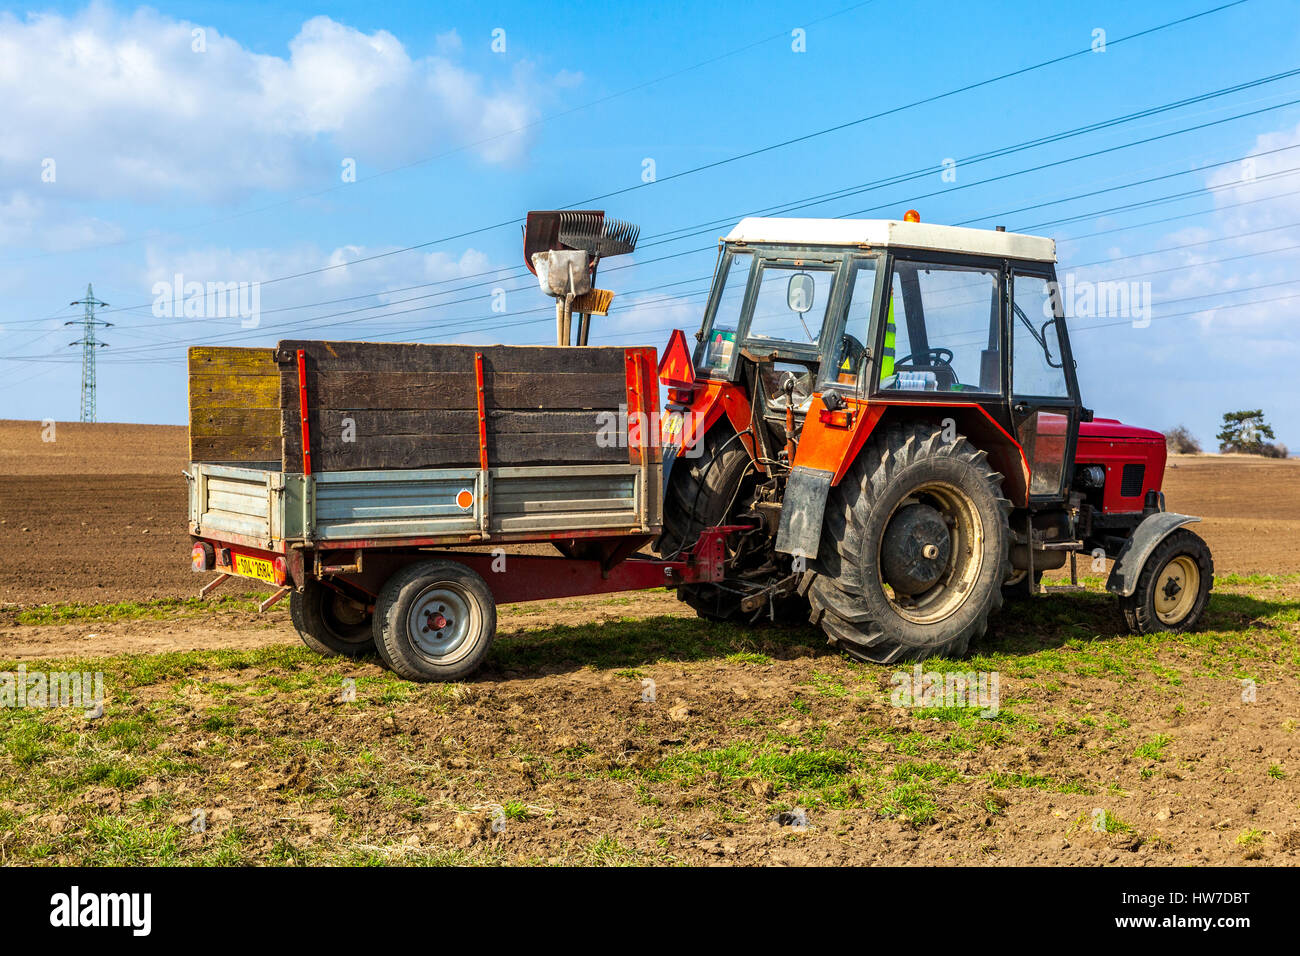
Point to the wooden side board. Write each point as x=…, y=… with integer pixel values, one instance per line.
x=234, y=405
x=387, y=405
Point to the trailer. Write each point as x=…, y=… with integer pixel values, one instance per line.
x=342, y=473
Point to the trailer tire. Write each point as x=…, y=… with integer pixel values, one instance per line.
x=434, y=621
x=329, y=622
x=1173, y=587
x=948, y=598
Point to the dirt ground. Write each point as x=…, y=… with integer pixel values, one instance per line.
x=621, y=729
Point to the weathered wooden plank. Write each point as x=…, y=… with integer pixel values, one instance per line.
x=502, y=390
x=223, y=448
x=234, y=404
x=418, y=421
x=233, y=422
x=450, y=451
x=229, y=391
x=413, y=405
x=203, y=358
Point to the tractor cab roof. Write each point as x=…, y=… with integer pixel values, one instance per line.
x=893, y=233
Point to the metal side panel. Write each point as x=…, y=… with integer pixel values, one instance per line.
x=569, y=498
x=242, y=501
x=395, y=503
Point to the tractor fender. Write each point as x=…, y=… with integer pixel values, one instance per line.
x=1146, y=536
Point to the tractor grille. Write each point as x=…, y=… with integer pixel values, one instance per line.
x=1130, y=485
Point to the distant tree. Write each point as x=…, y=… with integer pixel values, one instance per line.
x=1244, y=432
x=1180, y=441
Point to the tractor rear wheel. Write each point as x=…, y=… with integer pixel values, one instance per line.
x=702, y=491
x=914, y=550
x=1173, y=587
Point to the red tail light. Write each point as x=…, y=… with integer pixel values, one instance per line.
x=281, y=571
x=202, y=557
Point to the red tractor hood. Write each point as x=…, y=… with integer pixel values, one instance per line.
x=1112, y=429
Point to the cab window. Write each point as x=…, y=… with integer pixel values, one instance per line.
x=942, y=330
x=717, y=349
x=850, y=352
x=1038, y=368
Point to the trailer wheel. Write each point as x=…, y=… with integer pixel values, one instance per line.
x=329, y=622
x=434, y=621
x=914, y=549
x=1173, y=587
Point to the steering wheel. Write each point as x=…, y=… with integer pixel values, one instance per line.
x=942, y=355
x=851, y=352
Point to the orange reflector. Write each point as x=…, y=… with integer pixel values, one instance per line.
x=840, y=419
x=465, y=500
x=911, y=216
x=676, y=370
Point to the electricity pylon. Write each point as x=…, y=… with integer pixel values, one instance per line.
x=88, y=323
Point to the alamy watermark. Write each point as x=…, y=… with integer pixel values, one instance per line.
x=649, y=430
x=40, y=689
x=213, y=300
x=1083, y=298
x=976, y=690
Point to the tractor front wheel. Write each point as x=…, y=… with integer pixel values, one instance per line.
x=1173, y=587
x=914, y=549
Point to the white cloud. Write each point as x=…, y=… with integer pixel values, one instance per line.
x=26, y=219
x=448, y=43
x=129, y=109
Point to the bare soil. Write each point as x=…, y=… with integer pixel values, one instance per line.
x=760, y=746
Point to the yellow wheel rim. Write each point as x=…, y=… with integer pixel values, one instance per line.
x=1176, y=589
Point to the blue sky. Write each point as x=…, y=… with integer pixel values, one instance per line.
x=226, y=164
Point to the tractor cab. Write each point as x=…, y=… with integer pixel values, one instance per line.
x=850, y=314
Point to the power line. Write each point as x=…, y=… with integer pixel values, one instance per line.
x=765, y=149
x=815, y=200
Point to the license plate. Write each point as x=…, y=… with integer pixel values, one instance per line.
x=258, y=568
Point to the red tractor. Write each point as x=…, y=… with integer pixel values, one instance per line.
x=889, y=411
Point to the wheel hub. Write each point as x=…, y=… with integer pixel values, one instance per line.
x=440, y=621
x=1175, y=597
x=916, y=549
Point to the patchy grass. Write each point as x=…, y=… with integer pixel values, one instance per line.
x=168, y=608
x=556, y=734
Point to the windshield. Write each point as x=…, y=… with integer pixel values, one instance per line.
x=774, y=299
x=791, y=302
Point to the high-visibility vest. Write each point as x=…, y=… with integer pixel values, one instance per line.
x=887, y=353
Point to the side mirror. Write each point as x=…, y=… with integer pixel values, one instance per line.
x=799, y=292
